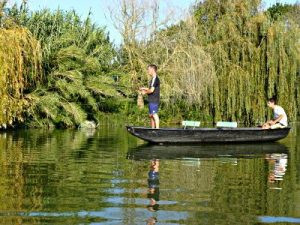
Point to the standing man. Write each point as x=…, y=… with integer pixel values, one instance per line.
x=280, y=118
x=153, y=93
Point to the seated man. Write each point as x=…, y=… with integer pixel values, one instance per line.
x=280, y=118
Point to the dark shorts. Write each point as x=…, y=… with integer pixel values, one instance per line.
x=153, y=108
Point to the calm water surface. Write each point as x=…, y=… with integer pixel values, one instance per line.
x=110, y=177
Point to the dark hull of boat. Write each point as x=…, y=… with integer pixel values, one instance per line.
x=207, y=135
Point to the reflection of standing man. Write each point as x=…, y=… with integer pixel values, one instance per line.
x=153, y=185
x=153, y=93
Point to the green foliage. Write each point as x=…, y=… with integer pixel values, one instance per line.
x=220, y=64
x=254, y=57
x=285, y=12
x=19, y=72
x=55, y=111
x=60, y=29
x=76, y=55
x=224, y=66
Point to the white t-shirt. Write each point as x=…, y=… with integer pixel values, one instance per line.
x=278, y=110
x=153, y=80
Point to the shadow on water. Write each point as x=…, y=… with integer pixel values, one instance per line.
x=148, y=151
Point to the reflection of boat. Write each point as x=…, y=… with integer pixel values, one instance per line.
x=210, y=135
x=148, y=151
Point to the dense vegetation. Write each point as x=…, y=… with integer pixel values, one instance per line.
x=220, y=63
x=76, y=60
x=19, y=71
x=255, y=57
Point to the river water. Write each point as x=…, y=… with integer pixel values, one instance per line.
x=109, y=177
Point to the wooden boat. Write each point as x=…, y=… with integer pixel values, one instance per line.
x=207, y=135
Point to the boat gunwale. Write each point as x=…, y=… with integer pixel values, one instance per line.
x=208, y=128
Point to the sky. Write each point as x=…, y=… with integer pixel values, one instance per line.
x=100, y=9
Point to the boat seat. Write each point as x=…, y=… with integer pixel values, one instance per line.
x=225, y=124
x=189, y=123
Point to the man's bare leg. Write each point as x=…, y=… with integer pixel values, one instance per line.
x=266, y=126
x=156, y=120
x=152, y=121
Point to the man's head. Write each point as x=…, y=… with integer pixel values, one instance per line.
x=152, y=69
x=271, y=102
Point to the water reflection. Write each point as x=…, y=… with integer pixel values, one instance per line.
x=219, y=183
x=278, y=164
x=147, y=151
x=153, y=185
x=153, y=189
x=151, y=221
x=71, y=177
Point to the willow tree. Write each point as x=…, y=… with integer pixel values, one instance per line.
x=129, y=18
x=151, y=35
x=285, y=12
x=187, y=70
x=254, y=58
x=19, y=71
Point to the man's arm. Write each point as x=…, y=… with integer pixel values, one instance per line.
x=147, y=90
x=274, y=121
x=278, y=119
